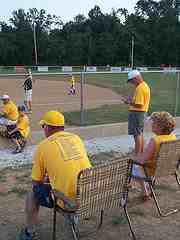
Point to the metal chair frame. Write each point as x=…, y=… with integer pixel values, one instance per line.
x=99, y=189
x=167, y=163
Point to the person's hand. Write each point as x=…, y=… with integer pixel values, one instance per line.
x=126, y=99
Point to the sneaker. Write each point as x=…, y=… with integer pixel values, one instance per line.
x=29, y=112
x=25, y=235
x=23, y=143
x=17, y=150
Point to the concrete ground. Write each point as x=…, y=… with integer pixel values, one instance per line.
x=121, y=144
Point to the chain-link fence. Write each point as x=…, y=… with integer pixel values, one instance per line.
x=99, y=90
x=106, y=105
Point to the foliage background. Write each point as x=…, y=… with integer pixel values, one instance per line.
x=99, y=39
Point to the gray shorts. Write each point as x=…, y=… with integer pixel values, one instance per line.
x=136, y=123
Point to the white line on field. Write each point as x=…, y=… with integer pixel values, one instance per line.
x=77, y=102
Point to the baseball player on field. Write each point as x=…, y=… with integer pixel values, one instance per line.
x=28, y=91
x=72, y=90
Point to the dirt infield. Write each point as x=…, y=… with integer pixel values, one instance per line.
x=51, y=92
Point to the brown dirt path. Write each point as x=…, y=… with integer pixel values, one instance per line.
x=52, y=93
x=145, y=221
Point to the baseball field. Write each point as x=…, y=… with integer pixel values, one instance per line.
x=51, y=92
x=101, y=96
x=102, y=104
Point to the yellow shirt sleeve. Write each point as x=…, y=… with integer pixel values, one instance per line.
x=23, y=126
x=38, y=170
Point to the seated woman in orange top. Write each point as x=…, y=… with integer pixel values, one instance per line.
x=162, y=126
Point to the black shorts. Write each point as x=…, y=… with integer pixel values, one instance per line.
x=17, y=135
x=136, y=123
x=42, y=194
x=11, y=127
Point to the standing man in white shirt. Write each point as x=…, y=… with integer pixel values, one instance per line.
x=28, y=91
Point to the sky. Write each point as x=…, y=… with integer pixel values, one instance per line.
x=67, y=9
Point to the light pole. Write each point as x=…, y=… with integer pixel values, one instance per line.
x=35, y=43
x=132, y=52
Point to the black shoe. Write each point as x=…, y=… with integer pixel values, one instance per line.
x=17, y=150
x=25, y=235
x=23, y=143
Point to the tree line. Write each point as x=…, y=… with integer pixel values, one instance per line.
x=99, y=39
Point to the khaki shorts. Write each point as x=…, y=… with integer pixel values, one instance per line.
x=136, y=123
x=28, y=95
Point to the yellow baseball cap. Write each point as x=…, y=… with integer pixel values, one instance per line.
x=52, y=118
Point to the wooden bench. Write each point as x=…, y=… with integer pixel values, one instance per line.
x=99, y=189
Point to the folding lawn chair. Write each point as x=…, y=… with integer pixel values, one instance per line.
x=99, y=189
x=167, y=163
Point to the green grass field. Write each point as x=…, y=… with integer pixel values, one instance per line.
x=163, y=88
x=163, y=97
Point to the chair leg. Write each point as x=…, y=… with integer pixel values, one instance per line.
x=74, y=227
x=74, y=232
x=157, y=204
x=101, y=220
x=54, y=225
x=129, y=222
x=177, y=179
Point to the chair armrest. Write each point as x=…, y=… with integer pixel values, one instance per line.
x=137, y=163
x=143, y=165
x=140, y=164
x=69, y=204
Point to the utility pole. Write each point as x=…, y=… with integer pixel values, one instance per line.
x=132, y=51
x=35, y=43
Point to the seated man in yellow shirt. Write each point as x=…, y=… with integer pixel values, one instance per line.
x=60, y=157
x=21, y=132
x=9, y=113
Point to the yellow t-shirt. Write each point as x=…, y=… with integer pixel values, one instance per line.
x=73, y=81
x=11, y=111
x=62, y=156
x=151, y=164
x=141, y=97
x=23, y=125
